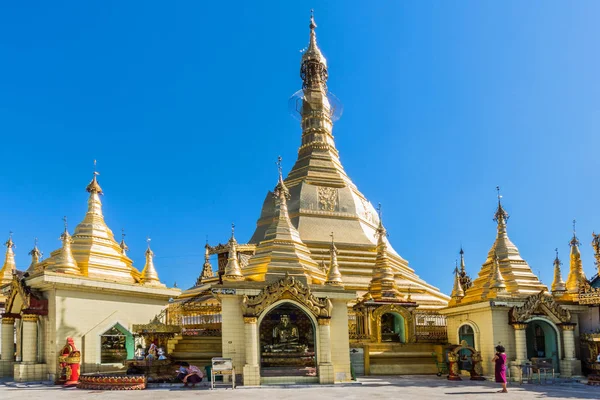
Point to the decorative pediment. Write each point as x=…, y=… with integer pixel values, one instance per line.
x=24, y=298
x=287, y=288
x=541, y=303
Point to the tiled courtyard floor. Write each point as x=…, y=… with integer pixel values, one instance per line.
x=397, y=387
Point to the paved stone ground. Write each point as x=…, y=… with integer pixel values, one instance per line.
x=385, y=387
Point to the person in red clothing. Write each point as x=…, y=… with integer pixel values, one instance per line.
x=500, y=360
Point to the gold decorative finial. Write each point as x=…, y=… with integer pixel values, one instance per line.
x=149, y=275
x=65, y=223
x=94, y=186
x=279, y=159
x=558, y=285
x=574, y=241
x=500, y=216
x=334, y=277
x=9, y=243
x=313, y=24
x=123, y=245
x=232, y=272
x=313, y=70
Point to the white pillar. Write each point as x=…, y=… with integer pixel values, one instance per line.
x=569, y=341
x=8, y=339
x=251, y=369
x=251, y=331
x=29, y=343
x=326, y=374
x=520, y=341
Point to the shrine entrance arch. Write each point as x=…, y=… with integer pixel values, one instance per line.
x=287, y=340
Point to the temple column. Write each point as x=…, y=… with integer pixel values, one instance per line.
x=251, y=369
x=8, y=339
x=29, y=342
x=569, y=365
x=325, y=366
x=520, y=341
x=520, y=350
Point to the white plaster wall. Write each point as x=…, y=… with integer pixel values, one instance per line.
x=84, y=316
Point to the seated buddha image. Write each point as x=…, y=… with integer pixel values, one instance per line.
x=286, y=337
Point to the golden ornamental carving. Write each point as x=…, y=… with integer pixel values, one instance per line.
x=328, y=198
x=8, y=320
x=250, y=320
x=536, y=303
x=324, y=321
x=29, y=317
x=286, y=288
x=588, y=295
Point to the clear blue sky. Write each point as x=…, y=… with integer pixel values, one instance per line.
x=184, y=105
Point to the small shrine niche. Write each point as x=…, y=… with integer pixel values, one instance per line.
x=116, y=345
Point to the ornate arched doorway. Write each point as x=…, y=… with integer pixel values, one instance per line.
x=287, y=342
x=393, y=328
x=542, y=342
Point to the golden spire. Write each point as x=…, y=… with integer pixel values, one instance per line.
x=123, y=245
x=383, y=285
x=465, y=280
x=314, y=66
x=576, y=275
x=233, y=272
x=596, y=247
x=149, y=274
x=500, y=216
x=497, y=282
x=9, y=267
x=35, y=254
x=457, y=291
x=558, y=285
x=334, y=277
x=64, y=261
x=281, y=250
x=207, y=267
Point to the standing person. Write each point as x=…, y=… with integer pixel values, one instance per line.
x=500, y=360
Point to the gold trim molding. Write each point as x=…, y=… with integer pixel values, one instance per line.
x=29, y=317
x=8, y=320
x=250, y=320
x=324, y=321
x=519, y=326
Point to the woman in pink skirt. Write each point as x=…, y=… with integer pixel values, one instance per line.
x=500, y=360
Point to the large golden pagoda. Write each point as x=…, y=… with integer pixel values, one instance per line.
x=323, y=199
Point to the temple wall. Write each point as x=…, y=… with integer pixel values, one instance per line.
x=489, y=330
x=340, y=343
x=85, y=316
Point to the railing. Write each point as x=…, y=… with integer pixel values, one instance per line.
x=196, y=319
x=430, y=327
